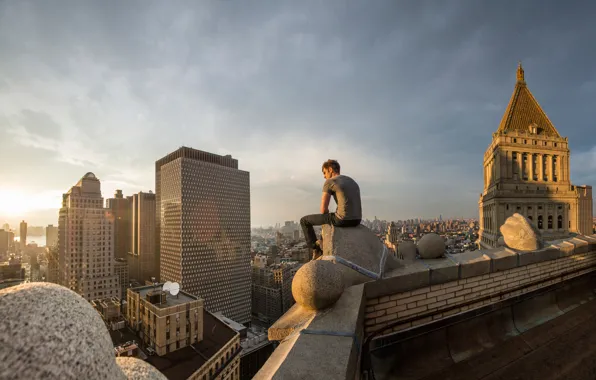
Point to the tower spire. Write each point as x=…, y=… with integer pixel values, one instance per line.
x=520, y=73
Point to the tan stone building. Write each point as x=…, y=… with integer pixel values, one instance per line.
x=526, y=171
x=165, y=322
x=86, y=242
x=189, y=342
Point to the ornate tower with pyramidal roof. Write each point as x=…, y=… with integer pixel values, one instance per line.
x=526, y=171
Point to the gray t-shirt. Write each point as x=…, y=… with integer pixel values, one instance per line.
x=346, y=193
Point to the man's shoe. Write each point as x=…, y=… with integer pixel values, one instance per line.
x=316, y=253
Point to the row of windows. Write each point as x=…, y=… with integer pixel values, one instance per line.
x=535, y=142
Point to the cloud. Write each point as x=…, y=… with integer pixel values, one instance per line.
x=39, y=123
x=405, y=95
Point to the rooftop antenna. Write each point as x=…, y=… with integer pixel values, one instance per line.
x=166, y=286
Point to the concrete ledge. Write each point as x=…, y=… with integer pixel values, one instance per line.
x=420, y=273
x=292, y=321
x=544, y=254
x=502, y=259
x=590, y=240
x=412, y=276
x=566, y=248
x=327, y=346
x=442, y=270
x=472, y=264
x=581, y=246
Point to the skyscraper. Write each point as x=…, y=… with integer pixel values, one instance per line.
x=23, y=235
x=4, y=243
x=51, y=235
x=203, y=219
x=86, y=242
x=142, y=259
x=121, y=209
x=526, y=171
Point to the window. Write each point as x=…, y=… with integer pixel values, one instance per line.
x=539, y=222
x=514, y=140
x=525, y=166
x=550, y=222
x=560, y=221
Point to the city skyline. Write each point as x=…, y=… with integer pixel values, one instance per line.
x=406, y=107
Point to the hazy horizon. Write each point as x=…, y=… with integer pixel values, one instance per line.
x=405, y=95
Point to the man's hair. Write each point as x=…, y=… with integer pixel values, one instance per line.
x=334, y=165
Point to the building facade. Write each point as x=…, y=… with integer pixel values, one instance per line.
x=51, y=235
x=86, y=242
x=166, y=323
x=23, y=235
x=120, y=207
x=203, y=219
x=142, y=258
x=4, y=236
x=526, y=171
x=271, y=289
x=52, y=255
x=121, y=270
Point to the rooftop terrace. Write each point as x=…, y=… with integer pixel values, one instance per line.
x=170, y=300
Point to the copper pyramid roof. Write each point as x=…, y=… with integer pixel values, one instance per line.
x=523, y=111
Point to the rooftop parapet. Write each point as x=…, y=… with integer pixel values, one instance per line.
x=329, y=343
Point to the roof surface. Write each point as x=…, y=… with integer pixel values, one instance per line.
x=523, y=110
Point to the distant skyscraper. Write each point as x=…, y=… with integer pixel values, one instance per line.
x=4, y=243
x=86, y=242
x=51, y=235
x=526, y=171
x=6, y=227
x=121, y=209
x=23, y=234
x=203, y=219
x=142, y=260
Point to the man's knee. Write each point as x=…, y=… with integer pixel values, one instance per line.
x=304, y=221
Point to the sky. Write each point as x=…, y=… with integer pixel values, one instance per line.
x=404, y=94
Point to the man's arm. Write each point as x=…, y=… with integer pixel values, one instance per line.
x=325, y=202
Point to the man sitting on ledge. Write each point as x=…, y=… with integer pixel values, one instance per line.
x=346, y=193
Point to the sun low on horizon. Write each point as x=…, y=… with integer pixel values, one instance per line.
x=19, y=204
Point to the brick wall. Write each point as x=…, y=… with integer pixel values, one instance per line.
x=431, y=302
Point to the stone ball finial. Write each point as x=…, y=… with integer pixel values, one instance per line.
x=407, y=250
x=137, y=369
x=49, y=332
x=317, y=285
x=519, y=233
x=431, y=246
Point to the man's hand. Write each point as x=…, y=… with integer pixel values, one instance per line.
x=325, y=203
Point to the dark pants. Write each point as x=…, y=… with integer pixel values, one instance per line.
x=309, y=221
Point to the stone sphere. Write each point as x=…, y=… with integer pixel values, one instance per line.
x=48, y=331
x=137, y=369
x=317, y=285
x=407, y=250
x=431, y=246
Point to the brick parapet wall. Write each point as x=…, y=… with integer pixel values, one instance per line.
x=438, y=301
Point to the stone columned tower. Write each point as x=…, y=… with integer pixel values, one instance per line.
x=526, y=171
